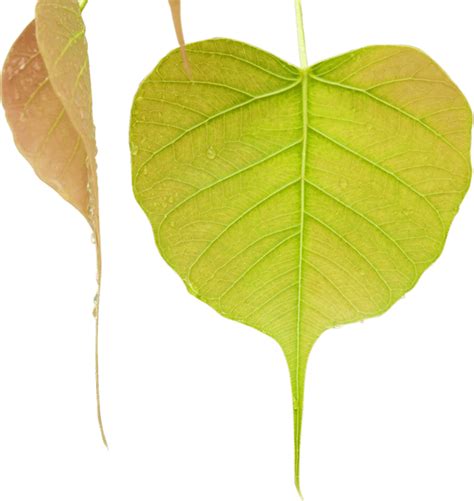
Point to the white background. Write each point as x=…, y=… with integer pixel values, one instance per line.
x=197, y=407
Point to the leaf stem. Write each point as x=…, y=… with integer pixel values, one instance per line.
x=175, y=6
x=301, y=36
x=82, y=4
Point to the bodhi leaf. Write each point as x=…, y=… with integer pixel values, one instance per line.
x=297, y=200
x=46, y=93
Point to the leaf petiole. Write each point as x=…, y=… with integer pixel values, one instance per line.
x=301, y=36
x=175, y=6
x=82, y=4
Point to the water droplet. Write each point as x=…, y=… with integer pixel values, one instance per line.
x=90, y=210
x=93, y=239
x=96, y=299
x=145, y=171
x=94, y=312
x=133, y=148
x=22, y=65
x=211, y=153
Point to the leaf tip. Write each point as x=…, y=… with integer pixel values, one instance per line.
x=298, y=488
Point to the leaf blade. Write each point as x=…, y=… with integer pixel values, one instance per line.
x=293, y=200
x=35, y=113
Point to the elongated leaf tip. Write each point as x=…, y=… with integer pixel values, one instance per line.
x=297, y=475
x=298, y=397
x=297, y=484
x=175, y=6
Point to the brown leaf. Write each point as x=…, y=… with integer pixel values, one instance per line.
x=46, y=93
x=41, y=127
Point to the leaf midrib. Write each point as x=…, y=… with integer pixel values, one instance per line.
x=304, y=150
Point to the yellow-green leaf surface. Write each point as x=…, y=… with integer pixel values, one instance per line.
x=298, y=200
x=46, y=93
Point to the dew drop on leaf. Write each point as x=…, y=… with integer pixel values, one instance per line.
x=211, y=153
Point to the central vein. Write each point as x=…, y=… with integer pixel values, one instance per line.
x=304, y=100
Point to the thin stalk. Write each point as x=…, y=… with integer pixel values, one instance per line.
x=175, y=6
x=301, y=36
x=82, y=4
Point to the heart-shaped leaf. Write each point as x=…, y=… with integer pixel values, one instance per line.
x=46, y=93
x=297, y=200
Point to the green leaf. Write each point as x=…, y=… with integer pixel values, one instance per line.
x=47, y=96
x=296, y=200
